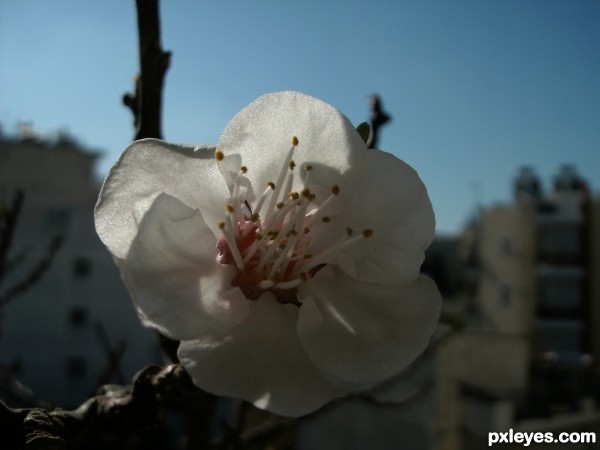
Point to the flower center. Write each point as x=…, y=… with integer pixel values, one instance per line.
x=274, y=242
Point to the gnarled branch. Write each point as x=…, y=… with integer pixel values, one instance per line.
x=115, y=413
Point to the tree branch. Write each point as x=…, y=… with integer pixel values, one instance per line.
x=116, y=413
x=146, y=102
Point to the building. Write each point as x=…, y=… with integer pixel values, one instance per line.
x=75, y=327
x=528, y=356
x=518, y=346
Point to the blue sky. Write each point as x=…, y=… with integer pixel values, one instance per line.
x=476, y=88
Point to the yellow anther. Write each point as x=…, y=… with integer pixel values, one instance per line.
x=308, y=167
x=306, y=230
x=280, y=205
x=243, y=169
x=306, y=193
x=254, y=217
x=326, y=219
x=367, y=233
x=292, y=164
x=219, y=156
x=294, y=195
x=335, y=190
x=295, y=141
x=222, y=225
x=271, y=185
x=349, y=231
x=229, y=208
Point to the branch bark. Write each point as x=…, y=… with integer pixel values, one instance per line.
x=118, y=412
x=146, y=102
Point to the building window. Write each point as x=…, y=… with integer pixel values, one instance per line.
x=82, y=267
x=76, y=367
x=559, y=335
x=78, y=316
x=561, y=291
x=560, y=243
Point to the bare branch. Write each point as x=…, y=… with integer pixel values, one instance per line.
x=9, y=216
x=116, y=413
x=34, y=274
x=146, y=102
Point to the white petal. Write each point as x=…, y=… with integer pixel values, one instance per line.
x=262, y=133
x=261, y=361
x=390, y=199
x=362, y=333
x=144, y=170
x=173, y=276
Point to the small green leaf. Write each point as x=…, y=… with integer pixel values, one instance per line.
x=364, y=129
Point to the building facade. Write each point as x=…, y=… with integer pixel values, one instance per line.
x=75, y=327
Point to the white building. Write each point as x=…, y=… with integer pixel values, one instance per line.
x=57, y=336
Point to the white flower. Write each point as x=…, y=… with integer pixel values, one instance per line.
x=286, y=260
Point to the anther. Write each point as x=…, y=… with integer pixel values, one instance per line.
x=326, y=219
x=349, y=231
x=229, y=208
x=295, y=141
x=243, y=169
x=271, y=185
x=308, y=167
x=335, y=190
x=221, y=225
x=367, y=233
x=292, y=164
x=294, y=195
x=280, y=205
x=254, y=217
x=219, y=156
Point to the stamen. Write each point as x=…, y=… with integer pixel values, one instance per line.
x=275, y=241
x=335, y=190
x=282, y=175
x=268, y=191
x=289, y=284
x=232, y=244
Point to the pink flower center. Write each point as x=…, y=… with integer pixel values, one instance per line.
x=276, y=242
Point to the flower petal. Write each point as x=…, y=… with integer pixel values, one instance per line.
x=262, y=133
x=144, y=170
x=363, y=333
x=173, y=276
x=393, y=202
x=261, y=361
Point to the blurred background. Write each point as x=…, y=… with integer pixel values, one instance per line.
x=495, y=104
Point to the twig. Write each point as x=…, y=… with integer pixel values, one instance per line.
x=9, y=216
x=34, y=274
x=114, y=355
x=146, y=102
